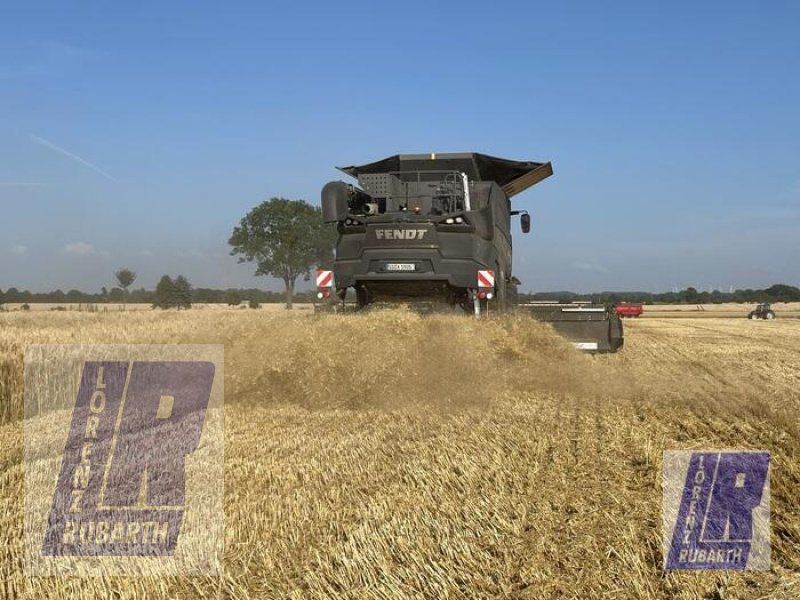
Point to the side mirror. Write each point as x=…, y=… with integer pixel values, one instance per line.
x=525, y=222
x=334, y=202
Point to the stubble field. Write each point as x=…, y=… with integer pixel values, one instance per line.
x=390, y=455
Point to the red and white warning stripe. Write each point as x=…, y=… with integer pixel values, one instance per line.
x=324, y=279
x=485, y=279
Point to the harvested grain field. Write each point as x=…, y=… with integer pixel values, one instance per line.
x=390, y=455
x=734, y=310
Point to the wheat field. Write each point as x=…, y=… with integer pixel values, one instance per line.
x=396, y=456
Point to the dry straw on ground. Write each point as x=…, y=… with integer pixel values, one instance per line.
x=389, y=455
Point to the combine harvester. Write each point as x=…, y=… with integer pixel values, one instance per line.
x=435, y=230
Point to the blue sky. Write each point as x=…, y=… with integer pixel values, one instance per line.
x=139, y=135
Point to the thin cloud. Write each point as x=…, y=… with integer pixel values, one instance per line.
x=45, y=59
x=83, y=249
x=60, y=52
x=584, y=266
x=69, y=154
x=78, y=249
x=766, y=214
x=19, y=250
x=22, y=184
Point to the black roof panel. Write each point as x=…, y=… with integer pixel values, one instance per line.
x=512, y=175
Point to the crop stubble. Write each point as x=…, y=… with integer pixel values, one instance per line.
x=390, y=455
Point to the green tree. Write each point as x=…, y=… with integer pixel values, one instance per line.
x=182, y=292
x=165, y=293
x=125, y=278
x=781, y=292
x=233, y=298
x=286, y=239
x=74, y=296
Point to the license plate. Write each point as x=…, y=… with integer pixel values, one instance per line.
x=401, y=267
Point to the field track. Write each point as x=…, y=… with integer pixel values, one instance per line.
x=389, y=455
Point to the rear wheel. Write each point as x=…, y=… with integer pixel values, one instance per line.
x=502, y=293
x=754, y=316
x=362, y=297
x=512, y=295
x=770, y=315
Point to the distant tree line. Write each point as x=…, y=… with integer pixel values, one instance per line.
x=775, y=293
x=168, y=296
x=179, y=293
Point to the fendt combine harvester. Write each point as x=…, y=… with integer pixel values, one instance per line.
x=435, y=229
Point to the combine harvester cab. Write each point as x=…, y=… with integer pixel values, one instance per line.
x=431, y=229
